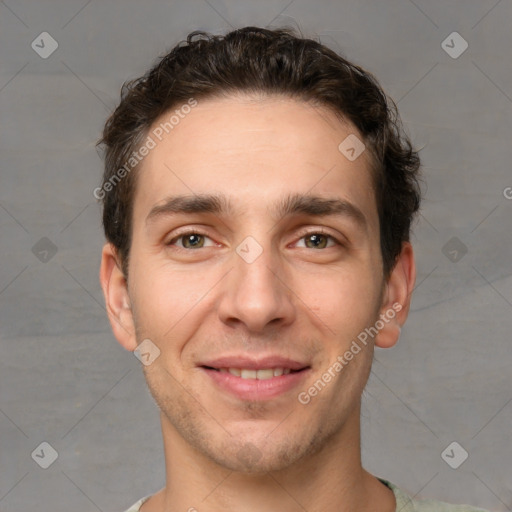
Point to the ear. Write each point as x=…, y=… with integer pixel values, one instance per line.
x=397, y=298
x=117, y=300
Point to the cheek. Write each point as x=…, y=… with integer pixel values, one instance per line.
x=346, y=301
x=165, y=298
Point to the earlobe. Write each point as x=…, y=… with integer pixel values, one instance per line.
x=117, y=300
x=397, y=298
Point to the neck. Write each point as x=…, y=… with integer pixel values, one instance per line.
x=331, y=479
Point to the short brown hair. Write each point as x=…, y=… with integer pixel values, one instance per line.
x=261, y=61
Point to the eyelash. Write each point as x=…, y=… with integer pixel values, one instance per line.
x=318, y=231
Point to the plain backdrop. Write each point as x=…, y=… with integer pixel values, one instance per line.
x=64, y=379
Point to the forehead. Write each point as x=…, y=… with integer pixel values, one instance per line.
x=254, y=150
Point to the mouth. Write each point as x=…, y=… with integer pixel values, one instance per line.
x=260, y=374
x=255, y=381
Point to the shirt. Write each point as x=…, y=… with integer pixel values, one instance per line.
x=404, y=503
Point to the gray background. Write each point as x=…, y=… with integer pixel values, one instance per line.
x=65, y=380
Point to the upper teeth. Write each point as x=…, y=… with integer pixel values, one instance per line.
x=263, y=374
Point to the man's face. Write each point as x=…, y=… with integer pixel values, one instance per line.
x=249, y=288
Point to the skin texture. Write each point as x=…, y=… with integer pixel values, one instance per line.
x=295, y=300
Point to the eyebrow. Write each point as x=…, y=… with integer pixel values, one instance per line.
x=316, y=206
x=293, y=204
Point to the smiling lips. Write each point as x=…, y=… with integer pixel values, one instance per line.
x=264, y=374
x=250, y=379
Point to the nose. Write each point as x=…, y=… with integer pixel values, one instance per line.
x=255, y=292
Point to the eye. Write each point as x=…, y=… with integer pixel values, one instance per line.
x=190, y=240
x=318, y=240
x=197, y=240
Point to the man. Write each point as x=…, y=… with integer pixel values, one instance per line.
x=258, y=195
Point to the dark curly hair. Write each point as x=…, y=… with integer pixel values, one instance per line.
x=263, y=62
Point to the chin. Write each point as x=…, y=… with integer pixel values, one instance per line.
x=262, y=455
x=251, y=460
